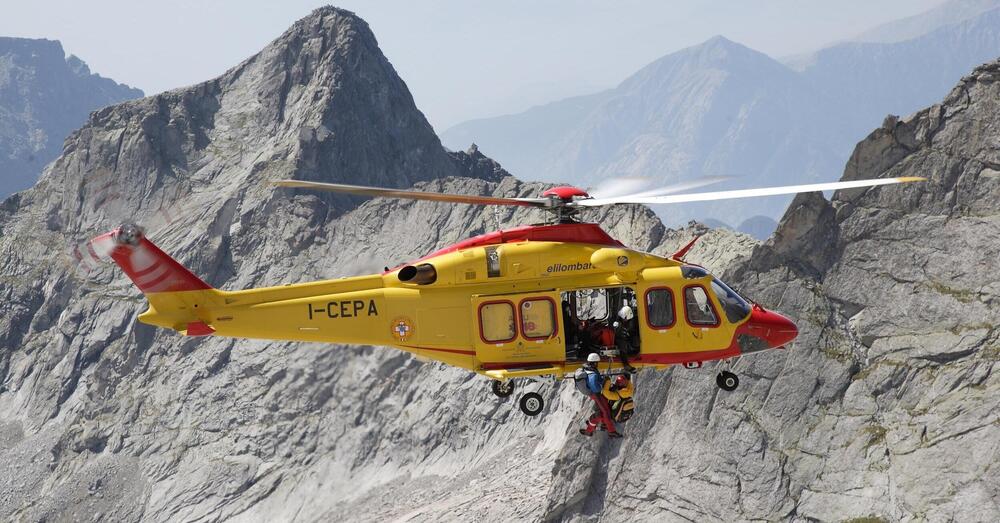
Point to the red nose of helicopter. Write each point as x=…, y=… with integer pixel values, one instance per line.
x=772, y=327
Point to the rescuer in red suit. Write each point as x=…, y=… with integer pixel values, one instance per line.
x=590, y=382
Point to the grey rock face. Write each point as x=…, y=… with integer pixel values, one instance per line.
x=888, y=404
x=44, y=95
x=885, y=407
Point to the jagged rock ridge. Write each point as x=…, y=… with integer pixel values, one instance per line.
x=99, y=415
x=888, y=405
x=43, y=96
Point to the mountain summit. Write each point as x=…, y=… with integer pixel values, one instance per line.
x=719, y=108
x=320, y=102
x=43, y=96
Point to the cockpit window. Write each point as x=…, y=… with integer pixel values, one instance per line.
x=733, y=304
x=698, y=307
x=693, y=273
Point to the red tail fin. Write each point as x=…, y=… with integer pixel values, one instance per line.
x=146, y=265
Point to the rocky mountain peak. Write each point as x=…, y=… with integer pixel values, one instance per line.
x=474, y=164
x=320, y=102
x=44, y=95
x=715, y=55
x=30, y=49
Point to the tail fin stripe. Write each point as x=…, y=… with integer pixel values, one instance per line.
x=147, y=271
x=158, y=273
x=153, y=286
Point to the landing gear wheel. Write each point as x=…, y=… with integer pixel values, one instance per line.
x=502, y=389
x=532, y=403
x=727, y=381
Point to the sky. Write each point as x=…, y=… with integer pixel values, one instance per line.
x=462, y=59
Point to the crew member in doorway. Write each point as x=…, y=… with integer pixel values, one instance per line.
x=572, y=328
x=626, y=335
x=590, y=381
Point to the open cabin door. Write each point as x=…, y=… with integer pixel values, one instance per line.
x=518, y=331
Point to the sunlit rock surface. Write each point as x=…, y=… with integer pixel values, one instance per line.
x=886, y=405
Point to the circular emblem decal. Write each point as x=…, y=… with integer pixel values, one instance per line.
x=401, y=328
x=622, y=261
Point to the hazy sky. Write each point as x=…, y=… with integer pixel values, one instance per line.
x=462, y=59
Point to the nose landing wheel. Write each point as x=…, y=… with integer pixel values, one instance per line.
x=727, y=381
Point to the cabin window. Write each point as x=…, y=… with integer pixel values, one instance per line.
x=538, y=318
x=698, y=307
x=660, y=308
x=735, y=307
x=496, y=322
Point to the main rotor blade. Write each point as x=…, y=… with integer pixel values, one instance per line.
x=747, y=193
x=612, y=189
x=616, y=187
x=680, y=186
x=412, y=195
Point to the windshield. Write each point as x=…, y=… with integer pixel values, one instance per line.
x=735, y=306
x=693, y=273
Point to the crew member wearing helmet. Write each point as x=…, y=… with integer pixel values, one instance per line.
x=590, y=381
x=626, y=335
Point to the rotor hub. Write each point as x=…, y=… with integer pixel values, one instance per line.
x=128, y=234
x=566, y=193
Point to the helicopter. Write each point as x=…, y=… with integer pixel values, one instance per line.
x=529, y=302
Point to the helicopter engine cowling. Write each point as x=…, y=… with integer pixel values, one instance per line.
x=618, y=260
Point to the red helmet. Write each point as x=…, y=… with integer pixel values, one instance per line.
x=621, y=381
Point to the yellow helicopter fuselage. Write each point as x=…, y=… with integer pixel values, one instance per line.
x=492, y=304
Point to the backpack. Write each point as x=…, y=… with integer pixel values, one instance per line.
x=580, y=380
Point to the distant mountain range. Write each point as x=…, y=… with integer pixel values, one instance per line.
x=722, y=108
x=44, y=95
x=948, y=13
